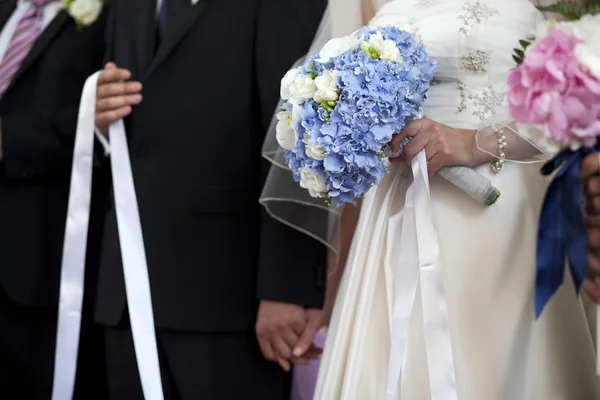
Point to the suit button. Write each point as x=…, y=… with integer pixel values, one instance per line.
x=142, y=152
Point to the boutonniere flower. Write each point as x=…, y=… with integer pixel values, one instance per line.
x=84, y=12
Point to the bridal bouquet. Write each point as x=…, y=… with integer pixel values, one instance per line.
x=555, y=95
x=342, y=107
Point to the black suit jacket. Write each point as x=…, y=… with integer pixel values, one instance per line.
x=38, y=115
x=195, y=144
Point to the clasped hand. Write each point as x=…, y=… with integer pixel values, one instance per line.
x=444, y=146
x=590, y=179
x=285, y=333
x=115, y=96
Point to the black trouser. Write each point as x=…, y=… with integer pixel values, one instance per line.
x=194, y=366
x=27, y=345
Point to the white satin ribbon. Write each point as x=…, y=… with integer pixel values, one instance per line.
x=137, y=282
x=420, y=259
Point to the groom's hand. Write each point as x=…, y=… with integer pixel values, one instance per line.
x=590, y=180
x=279, y=328
x=115, y=96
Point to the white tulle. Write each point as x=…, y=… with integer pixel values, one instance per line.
x=487, y=254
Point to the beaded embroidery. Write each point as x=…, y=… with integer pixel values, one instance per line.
x=475, y=61
x=473, y=12
x=483, y=102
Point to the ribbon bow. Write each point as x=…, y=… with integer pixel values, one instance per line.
x=561, y=232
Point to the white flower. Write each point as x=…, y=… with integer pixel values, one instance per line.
x=315, y=185
x=85, y=12
x=588, y=52
x=302, y=89
x=386, y=49
x=285, y=133
x=313, y=151
x=327, y=89
x=286, y=82
x=337, y=47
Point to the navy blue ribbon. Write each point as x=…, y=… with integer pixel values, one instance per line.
x=561, y=234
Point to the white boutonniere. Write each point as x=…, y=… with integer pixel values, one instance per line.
x=84, y=12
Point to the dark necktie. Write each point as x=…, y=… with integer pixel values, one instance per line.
x=163, y=20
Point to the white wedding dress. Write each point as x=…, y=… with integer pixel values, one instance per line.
x=487, y=254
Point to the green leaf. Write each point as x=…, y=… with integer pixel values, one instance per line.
x=569, y=10
x=517, y=60
x=520, y=53
x=524, y=43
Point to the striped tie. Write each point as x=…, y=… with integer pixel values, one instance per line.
x=21, y=43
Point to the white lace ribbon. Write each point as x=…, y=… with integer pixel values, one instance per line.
x=420, y=259
x=137, y=282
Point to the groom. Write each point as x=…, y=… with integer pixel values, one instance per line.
x=202, y=77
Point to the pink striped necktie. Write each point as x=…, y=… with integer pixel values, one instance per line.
x=28, y=30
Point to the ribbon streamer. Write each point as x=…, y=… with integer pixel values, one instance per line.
x=420, y=260
x=561, y=232
x=137, y=282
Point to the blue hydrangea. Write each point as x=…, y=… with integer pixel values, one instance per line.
x=377, y=99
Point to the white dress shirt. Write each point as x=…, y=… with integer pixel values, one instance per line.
x=51, y=10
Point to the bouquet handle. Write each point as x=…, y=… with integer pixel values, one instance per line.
x=471, y=182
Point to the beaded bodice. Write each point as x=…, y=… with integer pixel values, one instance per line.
x=473, y=42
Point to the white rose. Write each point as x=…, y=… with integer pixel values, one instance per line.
x=313, y=151
x=327, y=89
x=285, y=133
x=302, y=89
x=337, y=47
x=588, y=52
x=286, y=82
x=315, y=185
x=85, y=12
x=386, y=49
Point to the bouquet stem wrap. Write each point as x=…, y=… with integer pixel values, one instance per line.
x=472, y=183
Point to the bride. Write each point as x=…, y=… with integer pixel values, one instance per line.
x=496, y=350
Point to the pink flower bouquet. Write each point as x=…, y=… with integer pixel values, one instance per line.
x=557, y=87
x=554, y=95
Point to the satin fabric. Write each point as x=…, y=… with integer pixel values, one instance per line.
x=133, y=252
x=487, y=255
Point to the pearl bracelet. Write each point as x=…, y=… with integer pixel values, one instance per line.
x=498, y=164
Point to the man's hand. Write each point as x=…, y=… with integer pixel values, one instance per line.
x=279, y=328
x=590, y=180
x=115, y=96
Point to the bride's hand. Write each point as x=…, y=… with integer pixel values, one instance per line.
x=444, y=146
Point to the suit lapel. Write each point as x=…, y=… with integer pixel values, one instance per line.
x=42, y=43
x=177, y=31
x=6, y=9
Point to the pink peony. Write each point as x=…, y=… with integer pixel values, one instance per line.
x=552, y=89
